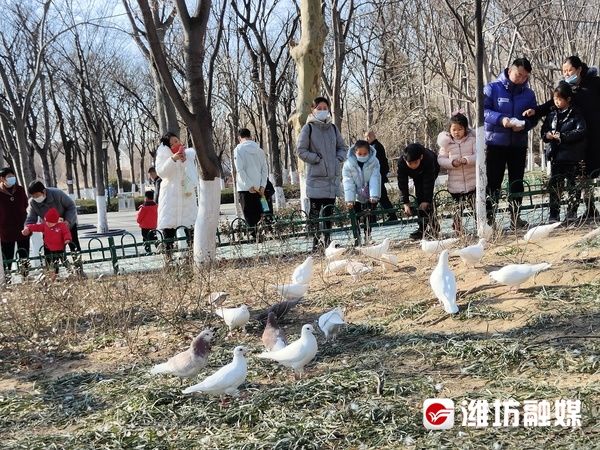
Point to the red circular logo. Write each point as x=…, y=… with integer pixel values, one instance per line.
x=437, y=414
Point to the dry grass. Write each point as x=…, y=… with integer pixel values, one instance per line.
x=74, y=357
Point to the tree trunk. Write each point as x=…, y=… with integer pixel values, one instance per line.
x=308, y=56
x=481, y=183
x=102, y=225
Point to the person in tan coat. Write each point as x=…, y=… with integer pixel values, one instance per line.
x=458, y=155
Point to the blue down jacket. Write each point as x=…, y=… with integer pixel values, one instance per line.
x=356, y=179
x=503, y=99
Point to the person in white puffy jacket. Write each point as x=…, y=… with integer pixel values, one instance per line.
x=251, y=177
x=178, y=205
x=458, y=155
x=361, y=178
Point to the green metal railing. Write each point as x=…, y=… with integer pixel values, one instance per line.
x=295, y=225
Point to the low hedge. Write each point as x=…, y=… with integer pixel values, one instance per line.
x=89, y=206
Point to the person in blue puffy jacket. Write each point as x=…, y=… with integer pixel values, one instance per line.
x=506, y=133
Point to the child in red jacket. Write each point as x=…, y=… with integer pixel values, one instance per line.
x=56, y=237
x=147, y=218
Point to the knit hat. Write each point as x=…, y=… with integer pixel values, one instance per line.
x=52, y=216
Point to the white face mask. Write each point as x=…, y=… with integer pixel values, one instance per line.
x=11, y=181
x=39, y=199
x=321, y=115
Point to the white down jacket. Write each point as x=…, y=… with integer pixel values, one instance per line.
x=178, y=204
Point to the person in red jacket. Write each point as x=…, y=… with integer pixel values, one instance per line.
x=56, y=237
x=147, y=218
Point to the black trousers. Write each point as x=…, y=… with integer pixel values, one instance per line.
x=315, y=209
x=148, y=234
x=251, y=207
x=500, y=158
x=54, y=258
x=170, y=234
x=366, y=219
x=74, y=244
x=385, y=202
x=8, y=251
x=561, y=173
x=462, y=200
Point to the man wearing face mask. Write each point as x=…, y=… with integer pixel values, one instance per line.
x=13, y=210
x=321, y=146
x=43, y=198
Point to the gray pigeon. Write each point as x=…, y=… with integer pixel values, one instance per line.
x=273, y=338
x=280, y=309
x=190, y=362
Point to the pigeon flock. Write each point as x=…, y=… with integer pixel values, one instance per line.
x=297, y=354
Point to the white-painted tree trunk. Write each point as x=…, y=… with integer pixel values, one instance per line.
x=481, y=184
x=294, y=177
x=285, y=177
x=102, y=225
x=2, y=271
x=279, y=202
x=36, y=241
x=304, y=201
x=181, y=241
x=207, y=220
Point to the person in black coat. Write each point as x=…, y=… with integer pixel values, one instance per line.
x=420, y=164
x=156, y=180
x=564, y=130
x=585, y=84
x=384, y=168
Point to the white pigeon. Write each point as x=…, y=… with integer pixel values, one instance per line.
x=303, y=273
x=356, y=269
x=291, y=291
x=472, y=254
x=190, y=362
x=333, y=252
x=331, y=322
x=514, y=275
x=227, y=379
x=297, y=354
x=375, y=251
x=217, y=298
x=389, y=262
x=336, y=266
x=433, y=247
x=540, y=232
x=234, y=317
x=443, y=284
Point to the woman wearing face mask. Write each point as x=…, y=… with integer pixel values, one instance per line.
x=585, y=84
x=321, y=147
x=13, y=211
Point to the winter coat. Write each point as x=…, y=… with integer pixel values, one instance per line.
x=157, y=189
x=355, y=178
x=178, y=204
x=572, y=128
x=55, y=237
x=55, y=198
x=504, y=99
x=423, y=177
x=586, y=98
x=147, y=216
x=461, y=179
x=13, y=211
x=384, y=165
x=251, y=165
x=321, y=146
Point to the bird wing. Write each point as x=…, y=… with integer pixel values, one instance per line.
x=287, y=355
x=220, y=380
x=443, y=284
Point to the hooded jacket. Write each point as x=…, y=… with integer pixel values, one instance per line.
x=251, y=165
x=321, y=146
x=572, y=128
x=461, y=179
x=504, y=99
x=355, y=178
x=55, y=237
x=178, y=204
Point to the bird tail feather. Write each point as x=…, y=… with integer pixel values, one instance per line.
x=159, y=368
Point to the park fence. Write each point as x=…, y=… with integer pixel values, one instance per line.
x=286, y=234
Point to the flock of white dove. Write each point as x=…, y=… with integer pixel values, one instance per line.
x=299, y=353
